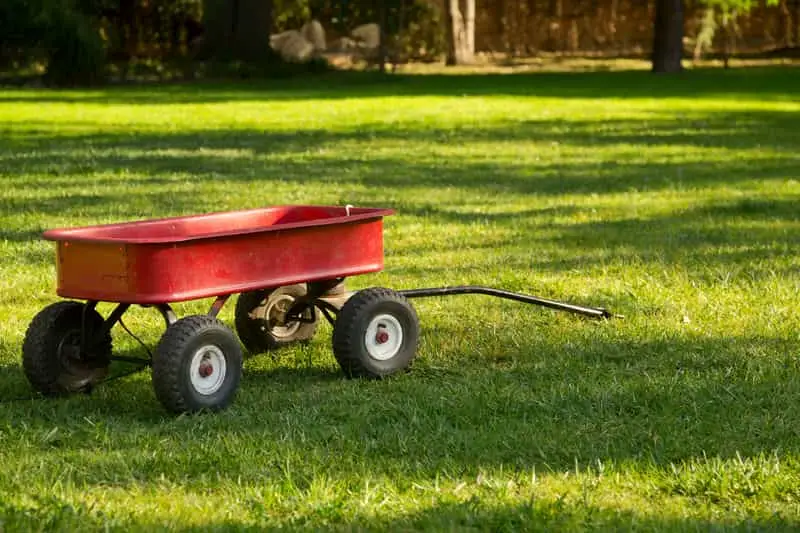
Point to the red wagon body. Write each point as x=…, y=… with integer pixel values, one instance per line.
x=191, y=257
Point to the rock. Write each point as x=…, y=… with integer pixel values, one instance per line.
x=367, y=35
x=296, y=48
x=343, y=45
x=276, y=41
x=315, y=34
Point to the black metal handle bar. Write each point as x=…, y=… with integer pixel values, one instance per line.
x=595, y=312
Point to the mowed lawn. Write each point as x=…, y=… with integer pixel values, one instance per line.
x=674, y=201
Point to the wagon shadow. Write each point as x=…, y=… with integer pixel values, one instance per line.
x=127, y=396
x=15, y=388
x=294, y=375
x=28, y=235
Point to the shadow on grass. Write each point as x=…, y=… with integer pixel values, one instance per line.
x=547, y=405
x=16, y=388
x=564, y=514
x=767, y=83
x=259, y=157
x=249, y=158
x=748, y=239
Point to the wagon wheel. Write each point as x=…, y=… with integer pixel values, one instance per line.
x=51, y=351
x=261, y=323
x=376, y=334
x=197, y=365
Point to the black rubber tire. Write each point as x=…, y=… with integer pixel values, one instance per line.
x=50, y=351
x=173, y=359
x=349, y=332
x=252, y=324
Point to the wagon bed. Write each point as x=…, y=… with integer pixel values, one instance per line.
x=190, y=257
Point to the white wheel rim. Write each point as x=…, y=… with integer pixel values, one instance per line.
x=384, y=337
x=208, y=369
x=277, y=308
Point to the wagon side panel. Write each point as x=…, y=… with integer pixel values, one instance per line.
x=93, y=270
x=197, y=269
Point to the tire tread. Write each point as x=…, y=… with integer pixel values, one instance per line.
x=167, y=363
x=38, y=363
x=347, y=335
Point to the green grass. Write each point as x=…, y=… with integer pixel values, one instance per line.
x=673, y=201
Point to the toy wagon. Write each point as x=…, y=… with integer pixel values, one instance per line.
x=286, y=263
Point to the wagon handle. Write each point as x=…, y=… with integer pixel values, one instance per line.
x=596, y=312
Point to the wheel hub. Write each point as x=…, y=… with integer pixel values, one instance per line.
x=207, y=369
x=276, y=316
x=69, y=349
x=384, y=337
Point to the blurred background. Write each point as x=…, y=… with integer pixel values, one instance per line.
x=81, y=42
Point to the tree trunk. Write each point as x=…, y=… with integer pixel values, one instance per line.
x=460, y=32
x=668, y=36
x=612, y=26
x=726, y=44
x=503, y=29
x=130, y=28
x=788, y=30
x=469, y=27
x=383, y=17
x=219, y=27
x=253, y=26
x=238, y=29
x=797, y=23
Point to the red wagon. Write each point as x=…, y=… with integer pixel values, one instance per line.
x=286, y=263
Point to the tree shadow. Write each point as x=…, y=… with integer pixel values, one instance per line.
x=149, y=158
x=773, y=129
x=691, y=238
x=738, y=236
x=548, y=514
x=550, y=401
x=697, y=83
x=540, y=405
x=539, y=514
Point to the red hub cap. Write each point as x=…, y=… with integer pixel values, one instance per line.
x=382, y=336
x=205, y=370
